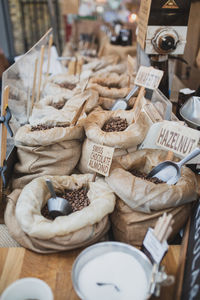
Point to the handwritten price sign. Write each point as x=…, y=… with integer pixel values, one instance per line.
x=148, y=77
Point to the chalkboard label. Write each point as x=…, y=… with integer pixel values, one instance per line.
x=191, y=281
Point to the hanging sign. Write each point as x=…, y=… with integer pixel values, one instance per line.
x=100, y=158
x=170, y=4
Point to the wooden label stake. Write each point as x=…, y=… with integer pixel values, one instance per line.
x=40, y=74
x=3, y=131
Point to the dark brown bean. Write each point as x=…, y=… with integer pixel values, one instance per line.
x=143, y=176
x=115, y=124
x=67, y=85
x=46, y=127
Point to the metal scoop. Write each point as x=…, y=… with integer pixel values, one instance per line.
x=123, y=102
x=169, y=171
x=57, y=206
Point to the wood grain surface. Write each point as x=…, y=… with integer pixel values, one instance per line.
x=55, y=270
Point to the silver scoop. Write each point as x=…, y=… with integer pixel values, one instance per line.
x=57, y=206
x=169, y=171
x=123, y=102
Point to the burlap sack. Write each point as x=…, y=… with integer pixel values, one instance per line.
x=50, y=111
x=124, y=142
x=63, y=85
x=118, y=69
x=130, y=226
x=97, y=64
x=107, y=103
x=111, y=85
x=145, y=196
x=81, y=228
x=54, y=151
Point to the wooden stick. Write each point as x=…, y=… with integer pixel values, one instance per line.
x=79, y=66
x=72, y=67
x=139, y=97
x=166, y=223
x=49, y=53
x=79, y=112
x=34, y=84
x=94, y=177
x=85, y=85
x=40, y=74
x=4, y=105
x=157, y=226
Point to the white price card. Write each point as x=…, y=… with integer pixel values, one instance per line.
x=154, y=247
x=100, y=158
x=148, y=77
x=177, y=138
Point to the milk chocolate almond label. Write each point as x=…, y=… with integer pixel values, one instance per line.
x=179, y=139
x=100, y=158
x=170, y=4
x=148, y=77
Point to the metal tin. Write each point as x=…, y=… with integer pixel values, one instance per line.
x=102, y=248
x=190, y=112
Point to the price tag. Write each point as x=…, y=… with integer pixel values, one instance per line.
x=177, y=138
x=154, y=247
x=100, y=158
x=149, y=77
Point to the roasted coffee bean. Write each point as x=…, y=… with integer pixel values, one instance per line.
x=67, y=85
x=115, y=124
x=77, y=198
x=46, y=127
x=45, y=212
x=143, y=176
x=58, y=105
x=110, y=85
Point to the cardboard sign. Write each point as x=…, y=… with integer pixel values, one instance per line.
x=148, y=77
x=179, y=139
x=155, y=248
x=100, y=158
x=143, y=21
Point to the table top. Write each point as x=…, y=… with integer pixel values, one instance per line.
x=55, y=270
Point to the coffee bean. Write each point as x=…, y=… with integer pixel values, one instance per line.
x=115, y=124
x=46, y=127
x=109, y=85
x=45, y=213
x=58, y=105
x=143, y=176
x=67, y=85
x=77, y=198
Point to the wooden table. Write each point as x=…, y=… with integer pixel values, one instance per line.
x=55, y=270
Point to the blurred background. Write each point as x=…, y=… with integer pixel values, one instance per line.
x=74, y=22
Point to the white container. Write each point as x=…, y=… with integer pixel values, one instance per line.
x=112, y=271
x=27, y=288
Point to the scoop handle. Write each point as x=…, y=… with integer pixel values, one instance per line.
x=50, y=187
x=191, y=155
x=131, y=93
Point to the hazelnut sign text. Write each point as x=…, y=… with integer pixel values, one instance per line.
x=179, y=139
